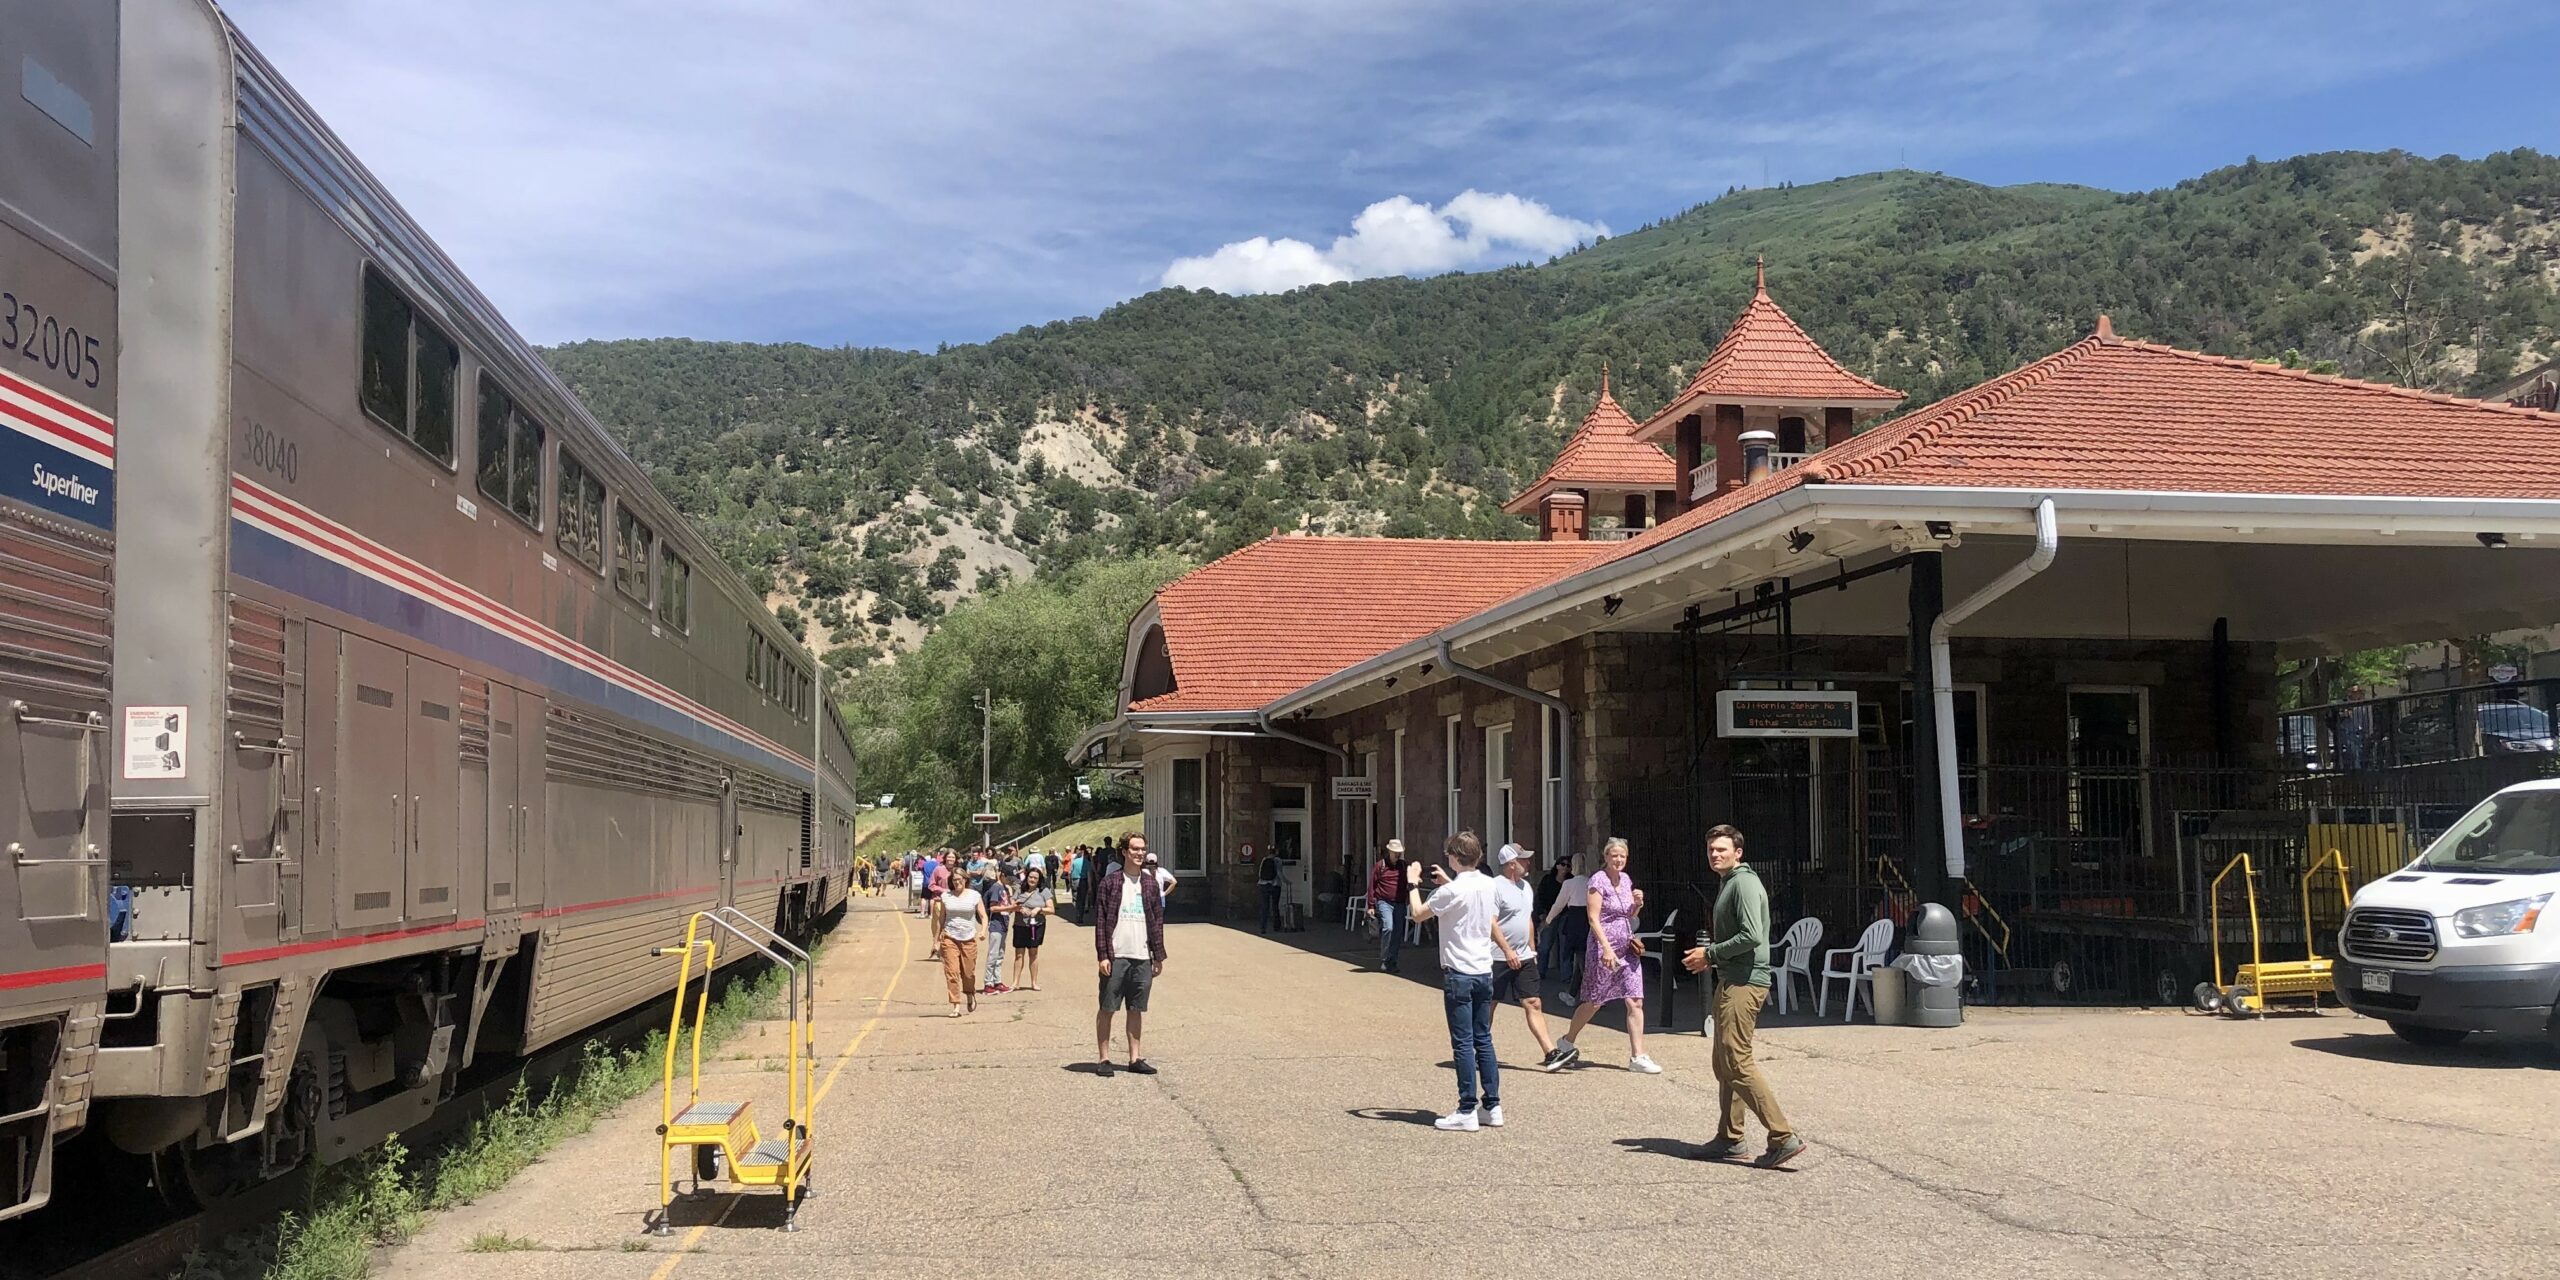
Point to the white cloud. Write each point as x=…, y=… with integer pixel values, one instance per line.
x=1395, y=236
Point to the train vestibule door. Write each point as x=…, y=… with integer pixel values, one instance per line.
x=506, y=811
x=373, y=785
x=728, y=839
x=435, y=789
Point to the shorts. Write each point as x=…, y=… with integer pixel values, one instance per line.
x=1127, y=984
x=1513, y=986
x=1026, y=937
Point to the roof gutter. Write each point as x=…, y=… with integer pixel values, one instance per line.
x=1942, y=684
x=1564, y=747
x=1341, y=758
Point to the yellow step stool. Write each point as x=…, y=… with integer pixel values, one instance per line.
x=720, y=1139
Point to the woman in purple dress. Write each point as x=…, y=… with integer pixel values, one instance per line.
x=1611, y=968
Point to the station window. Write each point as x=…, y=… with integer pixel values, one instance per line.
x=510, y=447
x=675, y=590
x=632, y=543
x=407, y=370
x=580, y=513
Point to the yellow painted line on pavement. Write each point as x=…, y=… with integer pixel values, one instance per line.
x=879, y=1010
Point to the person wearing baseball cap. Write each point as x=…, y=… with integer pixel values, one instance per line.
x=1164, y=878
x=1515, y=917
x=1386, y=904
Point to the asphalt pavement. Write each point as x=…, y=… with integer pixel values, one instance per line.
x=1288, y=1134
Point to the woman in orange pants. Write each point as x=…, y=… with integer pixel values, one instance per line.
x=959, y=922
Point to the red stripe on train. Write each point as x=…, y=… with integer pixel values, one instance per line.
x=51, y=977
x=69, y=408
x=251, y=500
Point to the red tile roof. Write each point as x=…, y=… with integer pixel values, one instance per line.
x=2109, y=414
x=1269, y=619
x=1602, y=454
x=1767, y=357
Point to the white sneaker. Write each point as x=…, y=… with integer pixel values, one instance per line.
x=1645, y=1064
x=1457, y=1122
x=1489, y=1117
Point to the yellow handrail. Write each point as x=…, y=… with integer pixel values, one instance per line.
x=2249, y=878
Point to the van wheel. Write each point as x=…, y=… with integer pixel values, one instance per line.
x=2427, y=1037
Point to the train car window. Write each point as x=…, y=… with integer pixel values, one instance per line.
x=406, y=370
x=632, y=542
x=580, y=513
x=510, y=453
x=675, y=590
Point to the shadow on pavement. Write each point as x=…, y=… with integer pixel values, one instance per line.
x=1092, y=1069
x=1677, y=1148
x=1394, y=1115
x=2488, y=1053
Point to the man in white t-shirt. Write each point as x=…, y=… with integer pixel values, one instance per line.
x=1514, y=901
x=1164, y=878
x=1466, y=904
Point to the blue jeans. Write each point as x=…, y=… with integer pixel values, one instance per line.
x=1270, y=907
x=1469, y=998
x=1390, y=937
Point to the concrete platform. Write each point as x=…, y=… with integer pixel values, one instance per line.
x=1288, y=1136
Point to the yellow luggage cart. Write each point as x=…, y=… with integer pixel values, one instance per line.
x=2261, y=980
x=721, y=1138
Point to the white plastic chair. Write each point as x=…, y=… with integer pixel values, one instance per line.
x=1355, y=914
x=1800, y=940
x=1869, y=952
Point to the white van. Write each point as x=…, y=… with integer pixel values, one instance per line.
x=2466, y=938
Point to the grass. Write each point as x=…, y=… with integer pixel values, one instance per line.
x=384, y=1197
x=1091, y=831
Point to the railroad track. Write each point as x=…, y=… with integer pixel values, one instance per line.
x=36, y=1243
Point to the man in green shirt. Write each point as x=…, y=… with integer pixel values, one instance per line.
x=1737, y=944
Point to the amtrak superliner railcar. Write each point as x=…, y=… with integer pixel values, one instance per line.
x=398, y=718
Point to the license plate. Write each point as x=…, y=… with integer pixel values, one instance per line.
x=2377, y=980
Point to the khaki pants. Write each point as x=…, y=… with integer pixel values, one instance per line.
x=960, y=969
x=1737, y=1014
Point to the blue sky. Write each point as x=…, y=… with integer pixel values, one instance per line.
x=843, y=171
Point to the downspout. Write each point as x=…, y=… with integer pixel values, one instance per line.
x=1564, y=745
x=1341, y=762
x=1942, y=685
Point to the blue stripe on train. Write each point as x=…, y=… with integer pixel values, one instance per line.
x=263, y=557
x=38, y=472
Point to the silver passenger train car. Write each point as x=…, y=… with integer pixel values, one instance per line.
x=397, y=718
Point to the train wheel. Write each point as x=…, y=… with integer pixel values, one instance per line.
x=2066, y=980
x=203, y=1177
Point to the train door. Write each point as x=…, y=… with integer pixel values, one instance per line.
x=728, y=838
x=533, y=802
x=315, y=870
x=435, y=789
x=373, y=784
x=505, y=812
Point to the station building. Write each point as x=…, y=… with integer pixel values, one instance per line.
x=2017, y=650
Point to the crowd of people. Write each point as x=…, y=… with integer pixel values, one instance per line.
x=1499, y=938
x=1569, y=937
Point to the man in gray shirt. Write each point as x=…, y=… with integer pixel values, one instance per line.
x=1515, y=913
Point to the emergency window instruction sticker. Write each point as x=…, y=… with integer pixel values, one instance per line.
x=155, y=742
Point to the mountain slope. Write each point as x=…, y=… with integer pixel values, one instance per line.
x=872, y=489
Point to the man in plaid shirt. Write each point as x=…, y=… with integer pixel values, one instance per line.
x=1128, y=945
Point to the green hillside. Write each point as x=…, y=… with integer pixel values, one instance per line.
x=873, y=489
